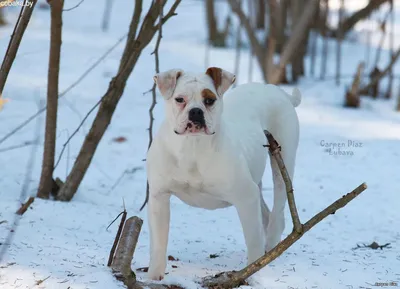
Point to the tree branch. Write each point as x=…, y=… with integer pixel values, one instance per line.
x=274, y=149
x=236, y=278
x=15, y=41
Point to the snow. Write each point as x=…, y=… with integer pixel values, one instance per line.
x=69, y=243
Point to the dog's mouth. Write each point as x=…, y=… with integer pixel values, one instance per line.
x=195, y=128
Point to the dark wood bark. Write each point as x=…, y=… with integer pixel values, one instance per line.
x=131, y=54
x=260, y=14
x=15, y=41
x=46, y=179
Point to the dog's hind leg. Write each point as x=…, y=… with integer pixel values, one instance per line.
x=276, y=223
x=264, y=210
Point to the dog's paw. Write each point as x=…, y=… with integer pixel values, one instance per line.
x=156, y=272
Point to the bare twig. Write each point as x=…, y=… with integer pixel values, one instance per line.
x=154, y=98
x=24, y=144
x=74, y=7
x=25, y=206
x=274, y=149
x=46, y=178
x=117, y=237
x=76, y=131
x=13, y=46
x=69, y=88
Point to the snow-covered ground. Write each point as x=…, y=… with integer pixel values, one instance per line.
x=68, y=243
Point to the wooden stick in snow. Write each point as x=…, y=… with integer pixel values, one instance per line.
x=25, y=206
x=117, y=237
x=121, y=264
x=236, y=278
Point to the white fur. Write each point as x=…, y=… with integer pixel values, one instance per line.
x=223, y=169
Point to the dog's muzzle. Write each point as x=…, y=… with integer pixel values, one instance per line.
x=196, y=116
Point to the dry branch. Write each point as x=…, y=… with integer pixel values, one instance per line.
x=274, y=149
x=15, y=41
x=154, y=95
x=236, y=278
x=133, y=49
x=25, y=206
x=46, y=178
x=121, y=263
x=117, y=237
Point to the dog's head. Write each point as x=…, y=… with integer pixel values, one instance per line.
x=194, y=101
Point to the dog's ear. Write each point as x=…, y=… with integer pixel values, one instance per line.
x=222, y=79
x=166, y=81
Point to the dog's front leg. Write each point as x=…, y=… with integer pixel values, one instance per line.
x=159, y=217
x=248, y=206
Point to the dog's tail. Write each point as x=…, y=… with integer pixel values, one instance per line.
x=295, y=97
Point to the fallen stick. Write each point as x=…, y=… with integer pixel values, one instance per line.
x=25, y=206
x=121, y=264
x=236, y=278
x=117, y=237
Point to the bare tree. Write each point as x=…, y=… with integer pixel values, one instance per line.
x=260, y=13
x=15, y=41
x=46, y=179
x=134, y=46
x=339, y=38
x=216, y=37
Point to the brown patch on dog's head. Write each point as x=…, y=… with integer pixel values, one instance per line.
x=207, y=93
x=216, y=74
x=222, y=79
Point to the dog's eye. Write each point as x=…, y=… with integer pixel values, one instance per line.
x=209, y=101
x=179, y=99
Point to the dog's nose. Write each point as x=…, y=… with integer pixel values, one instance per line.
x=196, y=115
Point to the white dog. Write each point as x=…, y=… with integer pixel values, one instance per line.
x=209, y=153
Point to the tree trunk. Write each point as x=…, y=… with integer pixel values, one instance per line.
x=46, y=179
x=260, y=14
x=296, y=12
x=15, y=41
x=132, y=51
x=216, y=38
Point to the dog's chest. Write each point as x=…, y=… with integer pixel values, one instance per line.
x=195, y=185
